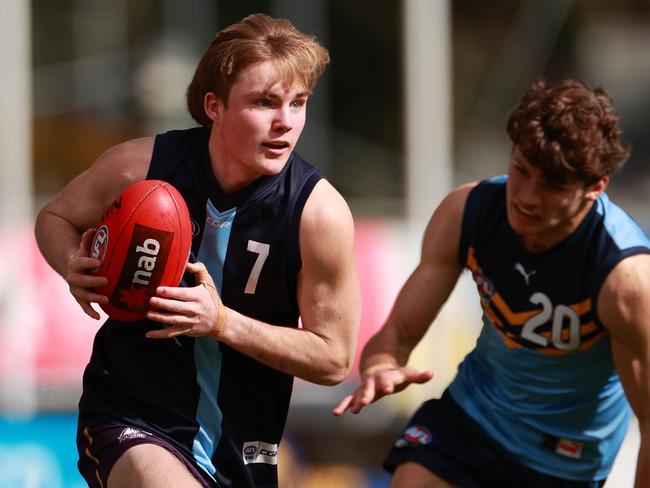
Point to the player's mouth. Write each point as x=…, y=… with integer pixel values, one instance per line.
x=524, y=214
x=277, y=147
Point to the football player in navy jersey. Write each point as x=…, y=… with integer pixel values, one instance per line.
x=563, y=277
x=197, y=394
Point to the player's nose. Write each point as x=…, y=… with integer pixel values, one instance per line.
x=282, y=121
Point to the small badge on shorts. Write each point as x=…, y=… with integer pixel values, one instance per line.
x=569, y=448
x=131, y=433
x=260, y=452
x=563, y=446
x=414, y=435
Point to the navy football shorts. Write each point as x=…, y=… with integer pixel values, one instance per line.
x=448, y=442
x=101, y=446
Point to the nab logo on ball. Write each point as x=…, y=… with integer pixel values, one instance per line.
x=150, y=239
x=140, y=276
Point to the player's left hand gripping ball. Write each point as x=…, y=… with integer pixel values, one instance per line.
x=143, y=241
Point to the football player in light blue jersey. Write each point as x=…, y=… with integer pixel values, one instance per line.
x=563, y=276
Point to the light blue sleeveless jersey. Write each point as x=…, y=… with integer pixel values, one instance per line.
x=541, y=379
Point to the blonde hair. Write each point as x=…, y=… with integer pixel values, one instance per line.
x=256, y=38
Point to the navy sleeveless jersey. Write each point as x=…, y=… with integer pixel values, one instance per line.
x=541, y=379
x=222, y=408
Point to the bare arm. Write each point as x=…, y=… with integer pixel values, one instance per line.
x=328, y=297
x=624, y=308
x=383, y=362
x=79, y=206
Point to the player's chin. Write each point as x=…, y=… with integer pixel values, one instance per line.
x=273, y=166
x=522, y=223
x=523, y=230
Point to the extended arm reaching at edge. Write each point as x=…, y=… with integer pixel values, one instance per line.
x=384, y=368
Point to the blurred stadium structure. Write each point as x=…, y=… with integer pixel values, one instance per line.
x=414, y=102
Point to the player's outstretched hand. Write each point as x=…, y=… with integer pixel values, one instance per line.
x=79, y=279
x=194, y=311
x=379, y=384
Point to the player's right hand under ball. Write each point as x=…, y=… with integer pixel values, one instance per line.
x=79, y=279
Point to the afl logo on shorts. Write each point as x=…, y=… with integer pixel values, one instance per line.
x=416, y=434
x=249, y=454
x=100, y=243
x=260, y=452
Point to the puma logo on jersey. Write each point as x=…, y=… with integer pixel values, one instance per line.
x=519, y=267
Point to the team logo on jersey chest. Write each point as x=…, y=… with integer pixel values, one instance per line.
x=484, y=285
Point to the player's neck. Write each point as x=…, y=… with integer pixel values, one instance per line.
x=231, y=174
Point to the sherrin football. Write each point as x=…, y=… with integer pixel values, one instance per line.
x=143, y=241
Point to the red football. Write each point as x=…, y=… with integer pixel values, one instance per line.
x=143, y=241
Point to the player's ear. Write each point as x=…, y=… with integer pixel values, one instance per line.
x=595, y=189
x=213, y=106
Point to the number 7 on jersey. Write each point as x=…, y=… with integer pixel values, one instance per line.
x=262, y=251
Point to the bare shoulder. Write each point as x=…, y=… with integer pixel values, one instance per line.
x=453, y=205
x=326, y=211
x=442, y=235
x=326, y=229
x=84, y=198
x=624, y=300
x=126, y=162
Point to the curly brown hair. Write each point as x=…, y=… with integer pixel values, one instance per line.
x=256, y=38
x=569, y=130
